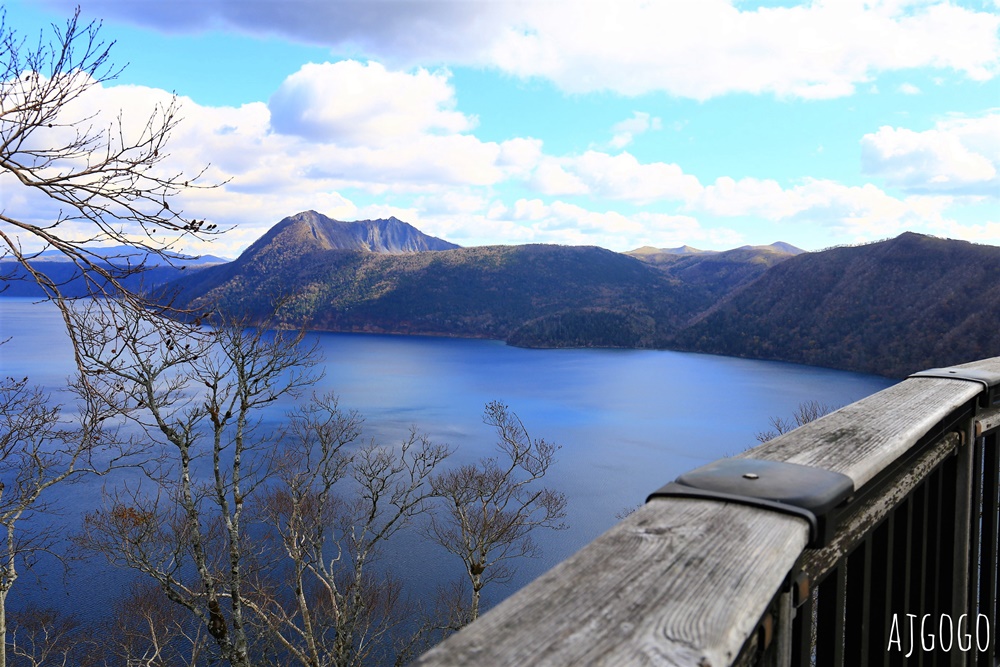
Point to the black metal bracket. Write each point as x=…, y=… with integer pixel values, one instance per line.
x=804, y=491
x=988, y=379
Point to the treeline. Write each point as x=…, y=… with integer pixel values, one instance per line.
x=889, y=308
x=477, y=292
x=588, y=328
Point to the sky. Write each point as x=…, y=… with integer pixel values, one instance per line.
x=615, y=123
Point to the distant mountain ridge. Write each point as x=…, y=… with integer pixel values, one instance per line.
x=15, y=281
x=716, y=272
x=386, y=276
x=889, y=308
x=488, y=291
x=646, y=251
x=662, y=255
x=124, y=254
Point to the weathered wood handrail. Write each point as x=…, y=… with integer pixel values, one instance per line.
x=699, y=582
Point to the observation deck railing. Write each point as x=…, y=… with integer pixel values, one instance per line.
x=881, y=549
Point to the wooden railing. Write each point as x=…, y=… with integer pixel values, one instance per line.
x=902, y=569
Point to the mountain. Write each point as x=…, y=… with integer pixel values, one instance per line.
x=887, y=308
x=292, y=237
x=666, y=256
x=15, y=280
x=386, y=276
x=540, y=295
x=650, y=251
x=781, y=246
x=123, y=255
x=718, y=273
x=890, y=308
x=311, y=231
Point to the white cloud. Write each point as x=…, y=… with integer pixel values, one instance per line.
x=437, y=173
x=550, y=178
x=381, y=211
x=530, y=209
x=348, y=103
x=620, y=177
x=908, y=89
x=578, y=220
x=626, y=131
x=748, y=196
x=860, y=212
x=690, y=48
x=959, y=156
x=497, y=210
x=519, y=155
x=987, y=232
x=266, y=175
x=706, y=48
x=566, y=223
x=462, y=201
x=427, y=161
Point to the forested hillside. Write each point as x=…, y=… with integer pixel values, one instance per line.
x=717, y=272
x=890, y=308
x=479, y=292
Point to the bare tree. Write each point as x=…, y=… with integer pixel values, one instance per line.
x=333, y=511
x=148, y=630
x=107, y=182
x=199, y=400
x=806, y=412
x=49, y=638
x=40, y=448
x=489, y=510
x=268, y=539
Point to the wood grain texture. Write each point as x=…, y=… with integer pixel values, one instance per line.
x=861, y=439
x=991, y=364
x=987, y=420
x=867, y=514
x=678, y=582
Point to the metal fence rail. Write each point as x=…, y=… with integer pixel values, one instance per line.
x=867, y=537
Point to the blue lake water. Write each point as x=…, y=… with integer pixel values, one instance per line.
x=628, y=421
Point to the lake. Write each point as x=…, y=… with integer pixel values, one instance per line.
x=628, y=421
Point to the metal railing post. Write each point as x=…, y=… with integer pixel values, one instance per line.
x=963, y=529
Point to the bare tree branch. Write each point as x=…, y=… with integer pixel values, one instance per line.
x=489, y=509
x=336, y=507
x=806, y=412
x=197, y=399
x=39, y=449
x=107, y=181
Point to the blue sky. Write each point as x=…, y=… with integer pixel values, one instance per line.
x=711, y=123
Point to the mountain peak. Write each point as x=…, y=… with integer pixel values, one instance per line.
x=682, y=250
x=781, y=246
x=309, y=231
